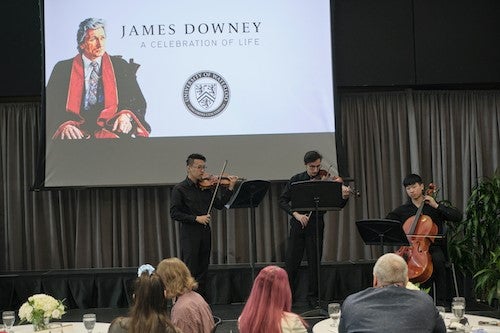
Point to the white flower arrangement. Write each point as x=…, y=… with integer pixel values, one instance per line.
x=412, y=286
x=40, y=308
x=416, y=286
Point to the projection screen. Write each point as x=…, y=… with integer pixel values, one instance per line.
x=250, y=82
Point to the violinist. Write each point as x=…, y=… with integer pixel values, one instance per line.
x=190, y=205
x=302, y=235
x=439, y=213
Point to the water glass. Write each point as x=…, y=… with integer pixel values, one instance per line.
x=8, y=317
x=334, y=313
x=89, y=320
x=458, y=307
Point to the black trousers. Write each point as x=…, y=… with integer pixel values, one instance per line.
x=439, y=276
x=301, y=239
x=196, y=243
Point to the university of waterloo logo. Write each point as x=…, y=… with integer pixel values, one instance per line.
x=206, y=94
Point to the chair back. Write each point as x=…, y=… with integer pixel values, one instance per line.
x=217, y=322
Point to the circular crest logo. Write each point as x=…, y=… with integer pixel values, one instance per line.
x=206, y=94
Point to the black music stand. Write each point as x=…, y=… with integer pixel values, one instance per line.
x=382, y=232
x=249, y=195
x=313, y=195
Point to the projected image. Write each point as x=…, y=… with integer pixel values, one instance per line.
x=95, y=95
x=250, y=82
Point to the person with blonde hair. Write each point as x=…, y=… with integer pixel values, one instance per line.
x=268, y=308
x=149, y=310
x=190, y=312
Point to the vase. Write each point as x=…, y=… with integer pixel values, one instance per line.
x=40, y=325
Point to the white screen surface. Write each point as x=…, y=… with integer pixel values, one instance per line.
x=247, y=82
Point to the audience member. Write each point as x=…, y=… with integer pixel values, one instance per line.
x=190, y=312
x=388, y=306
x=269, y=304
x=149, y=310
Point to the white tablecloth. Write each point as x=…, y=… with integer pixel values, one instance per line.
x=67, y=327
x=324, y=325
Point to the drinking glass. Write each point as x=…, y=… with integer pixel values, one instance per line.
x=89, y=320
x=8, y=318
x=334, y=313
x=458, y=307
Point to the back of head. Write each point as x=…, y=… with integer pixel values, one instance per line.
x=176, y=277
x=149, y=310
x=269, y=298
x=390, y=269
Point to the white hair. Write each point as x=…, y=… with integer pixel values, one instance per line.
x=391, y=269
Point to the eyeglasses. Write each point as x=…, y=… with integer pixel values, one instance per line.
x=199, y=167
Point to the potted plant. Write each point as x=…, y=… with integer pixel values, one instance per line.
x=473, y=244
x=487, y=280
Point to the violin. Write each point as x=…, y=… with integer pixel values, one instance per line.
x=419, y=229
x=215, y=182
x=209, y=181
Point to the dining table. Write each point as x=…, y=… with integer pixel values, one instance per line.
x=477, y=324
x=62, y=327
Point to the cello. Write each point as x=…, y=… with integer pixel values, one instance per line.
x=419, y=229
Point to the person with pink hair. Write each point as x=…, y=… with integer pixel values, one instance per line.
x=268, y=308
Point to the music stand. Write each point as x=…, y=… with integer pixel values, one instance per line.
x=249, y=195
x=312, y=195
x=382, y=232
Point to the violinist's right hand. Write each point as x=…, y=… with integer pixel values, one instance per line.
x=303, y=219
x=203, y=219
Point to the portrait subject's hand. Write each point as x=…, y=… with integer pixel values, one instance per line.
x=71, y=132
x=123, y=124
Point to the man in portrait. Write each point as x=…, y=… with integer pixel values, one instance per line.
x=95, y=95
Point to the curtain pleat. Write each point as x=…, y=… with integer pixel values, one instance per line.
x=450, y=137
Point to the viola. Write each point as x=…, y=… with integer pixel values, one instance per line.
x=328, y=176
x=419, y=229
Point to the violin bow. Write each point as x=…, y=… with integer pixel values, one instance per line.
x=217, y=187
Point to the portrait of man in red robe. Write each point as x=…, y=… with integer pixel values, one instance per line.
x=94, y=94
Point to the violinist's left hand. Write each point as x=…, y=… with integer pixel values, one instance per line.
x=232, y=182
x=431, y=201
x=346, y=192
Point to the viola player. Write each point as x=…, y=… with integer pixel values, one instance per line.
x=302, y=234
x=190, y=205
x=439, y=213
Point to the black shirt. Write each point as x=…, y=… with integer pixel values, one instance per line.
x=189, y=201
x=438, y=215
x=284, y=200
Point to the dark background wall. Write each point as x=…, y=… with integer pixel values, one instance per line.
x=378, y=43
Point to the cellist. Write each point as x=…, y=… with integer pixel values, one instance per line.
x=439, y=214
